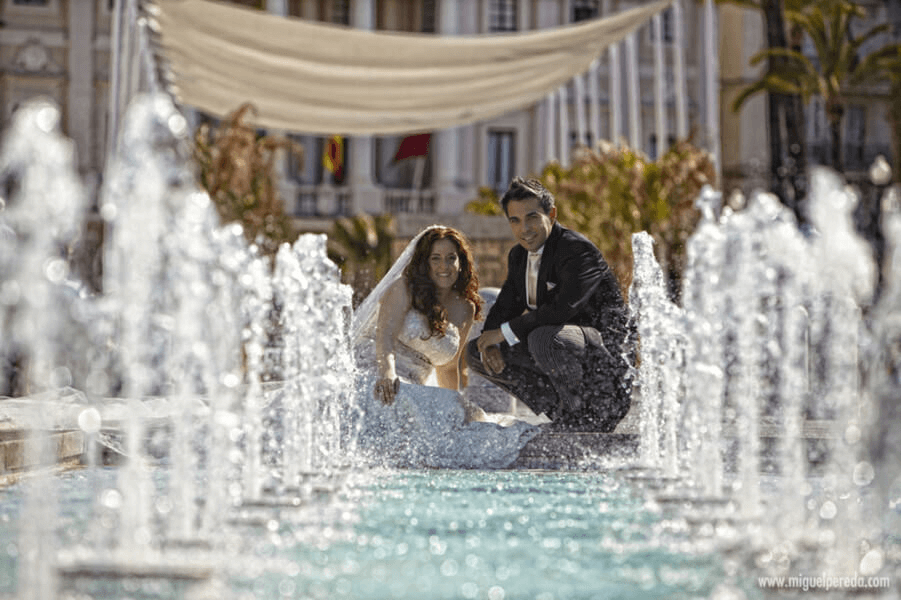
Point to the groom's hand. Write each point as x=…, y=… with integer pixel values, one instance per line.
x=491, y=353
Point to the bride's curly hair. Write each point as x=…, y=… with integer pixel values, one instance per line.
x=422, y=289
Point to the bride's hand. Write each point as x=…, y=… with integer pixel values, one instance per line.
x=386, y=389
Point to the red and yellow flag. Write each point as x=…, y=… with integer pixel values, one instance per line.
x=333, y=155
x=413, y=146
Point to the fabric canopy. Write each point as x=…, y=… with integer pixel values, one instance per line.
x=319, y=78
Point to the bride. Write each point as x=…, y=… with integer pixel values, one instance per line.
x=414, y=324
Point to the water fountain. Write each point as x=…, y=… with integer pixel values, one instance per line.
x=226, y=373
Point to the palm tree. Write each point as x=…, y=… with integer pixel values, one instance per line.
x=837, y=68
x=785, y=113
x=361, y=246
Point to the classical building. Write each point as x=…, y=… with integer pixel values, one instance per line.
x=866, y=132
x=490, y=153
x=61, y=49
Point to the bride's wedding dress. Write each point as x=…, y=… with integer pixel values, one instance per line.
x=426, y=425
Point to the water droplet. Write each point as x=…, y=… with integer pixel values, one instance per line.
x=89, y=420
x=449, y=568
x=871, y=562
x=56, y=270
x=852, y=434
x=863, y=473
x=286, y=588
x=163, y=505
x=111, y=498
x=47, y=118
x=828, y=510
x=108, y=211
x=880, y=171
x=231, y=380
x=178, y=124
x=496, y=593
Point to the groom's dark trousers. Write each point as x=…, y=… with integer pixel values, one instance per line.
x=571, y=358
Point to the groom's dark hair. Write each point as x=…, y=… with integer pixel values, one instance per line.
x=525, y=188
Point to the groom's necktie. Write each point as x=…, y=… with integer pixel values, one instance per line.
x=532, y=279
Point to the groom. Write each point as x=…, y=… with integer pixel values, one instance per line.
x=554, y=337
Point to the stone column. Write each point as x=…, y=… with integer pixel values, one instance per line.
x=286, y=187
x=449, y=200
x=366, y=196
x=312, y=153
x=544, y=131
x=712, y=84
x=80, y=100
x=471, y=156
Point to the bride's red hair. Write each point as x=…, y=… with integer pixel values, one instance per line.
x=421, y=286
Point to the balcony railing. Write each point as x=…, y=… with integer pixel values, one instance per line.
x=322, y=201
x=409, y=201
x=331, y=201
x=855, y=157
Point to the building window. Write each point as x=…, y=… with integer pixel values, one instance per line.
x=340, y=13
x=652, y=145
x=585, y=9
x=818, y=139
x=575, y=142
x=666, y=18
x=501, y=158
x=428, y=16
x=502, y=15
x=855, y=130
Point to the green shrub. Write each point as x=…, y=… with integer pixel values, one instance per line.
x=237, y=169
x=611, y=192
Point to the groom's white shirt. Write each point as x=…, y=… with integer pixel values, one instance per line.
x=511, y=337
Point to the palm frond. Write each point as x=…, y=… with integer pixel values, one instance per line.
x=770, y=82
x=804, y=64
x=881, y=64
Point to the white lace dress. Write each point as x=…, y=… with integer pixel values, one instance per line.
x=425, y=425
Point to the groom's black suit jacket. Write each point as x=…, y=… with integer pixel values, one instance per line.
x=575, y=287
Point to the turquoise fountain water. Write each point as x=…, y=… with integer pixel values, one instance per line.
x=229, y=374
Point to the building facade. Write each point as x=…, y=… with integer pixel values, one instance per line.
x=866, y=131
x=61, y=49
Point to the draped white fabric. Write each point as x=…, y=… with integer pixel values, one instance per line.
x=326, y=79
